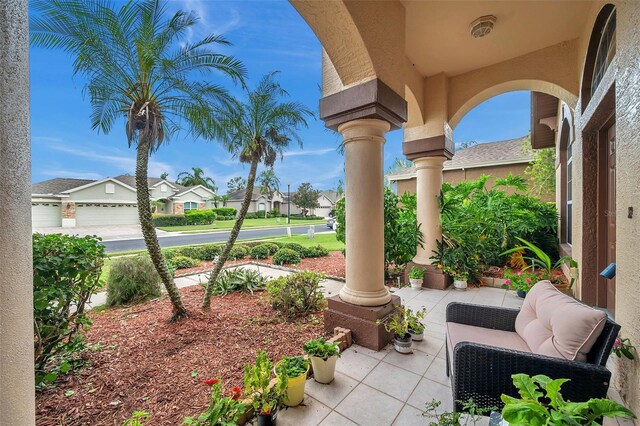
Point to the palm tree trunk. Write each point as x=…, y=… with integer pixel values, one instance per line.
x=149, y=232
x=206, y=302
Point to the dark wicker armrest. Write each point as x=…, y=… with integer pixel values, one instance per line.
x=483, y=373
x=482, y=316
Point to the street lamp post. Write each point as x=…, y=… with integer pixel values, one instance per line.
x=289, y=203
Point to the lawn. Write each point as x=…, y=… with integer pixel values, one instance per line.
x=327, y=240
x=271, y=222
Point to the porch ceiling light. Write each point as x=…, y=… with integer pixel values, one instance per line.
x=482, y=26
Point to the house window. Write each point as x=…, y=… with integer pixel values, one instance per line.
x=262, y=207
x=110, y=188
x=606, y=51
x=163, y=188
x=569, y=206
x=190, y=205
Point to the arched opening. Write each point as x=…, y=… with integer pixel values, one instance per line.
x=565, y=151
x=600, y=53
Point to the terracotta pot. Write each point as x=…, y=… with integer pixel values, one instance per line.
x=323, y=370
x=402, y=344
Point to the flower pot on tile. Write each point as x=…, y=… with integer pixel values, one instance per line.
x=267, y=419
x=416, y=336
x=460, y=284
x=323, y=356
x=416, y=277
x=296, y=369
x=397, y=323
x=521, y=293
x=416, y=283
x=402, y=344
x=414, y=322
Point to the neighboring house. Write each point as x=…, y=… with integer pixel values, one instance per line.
x=280, y=202
x=496, y=159
x=111, y=201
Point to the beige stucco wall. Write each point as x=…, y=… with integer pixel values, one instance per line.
x=98, y=192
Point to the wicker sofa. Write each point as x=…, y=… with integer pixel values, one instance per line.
x=481, y=371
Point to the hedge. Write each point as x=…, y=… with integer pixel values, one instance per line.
x=286, y=256
x=225, y=211
x=200, y=217
x=169, y=220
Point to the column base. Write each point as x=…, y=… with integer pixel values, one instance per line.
x=361, y=320
x=434, y=277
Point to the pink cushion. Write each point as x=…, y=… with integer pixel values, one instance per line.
x=554, y=324
x=457, y=333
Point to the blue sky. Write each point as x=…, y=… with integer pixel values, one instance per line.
x=266, y=36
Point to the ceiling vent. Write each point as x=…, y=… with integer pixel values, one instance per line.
x=482, y=26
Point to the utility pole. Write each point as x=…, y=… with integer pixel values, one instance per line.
x=289, y=203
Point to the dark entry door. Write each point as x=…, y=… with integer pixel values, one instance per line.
x=606, y=245
x=611, y=217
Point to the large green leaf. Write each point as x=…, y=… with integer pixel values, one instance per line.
x=525, y=413
x=602, y=407
x=527, y=387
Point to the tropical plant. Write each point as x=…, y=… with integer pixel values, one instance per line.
x=256, y=131
x=397, y=322
x=164, y=175
x=66, y=272
x=541, y=403
x=623, y=347
x=222, y=410
x=541, y=171
x=306, y=198
x=471, y=414
x=140, y=67
x=297, y=294
x=132, y=279
x=414, y=319
x=461, y=262
x=519, y=281
x=340, y=188
x=238, y=279
x=236, y=184
x=196, y=177
x=417, y=273
x=265, y=397
x=269, y=184
x=320, y=348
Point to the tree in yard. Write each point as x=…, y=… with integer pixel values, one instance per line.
x=196, y=178
x=340, y=188
x=269, y=184
x=140, y=68
x=164, y=175
x=219, y=199
x=236, y=184
x=306, y=198
x=256, y=131
x=542, y=169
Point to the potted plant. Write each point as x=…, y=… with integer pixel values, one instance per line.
x=397, y=324
x=416, y=327
x=223, y=410
x=265, y=398
x=459, y=278
x=520, y=281
x=323, y=356
x=416, y=277
x=295, y=369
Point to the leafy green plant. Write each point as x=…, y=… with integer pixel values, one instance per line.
x=137, y=419
x=470, y=414
x=286, y=256
x=414, y=319
x=257, y=377
x=261, y=251
x=66, y=272
x=396, y=323
x=292, y=366
x=132, y=280
x=238, y=252
x=209, y=251
x=541, y=403
x=184, y=262
x=222, y=410
x=320, y=348
x=238, y=279
x=456, y=260
x=417, y=273
x=297, y=294
x=519, y=281
x=316, y=251
x=623, y=347
x=298, y=248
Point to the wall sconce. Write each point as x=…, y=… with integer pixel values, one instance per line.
x=609, y=272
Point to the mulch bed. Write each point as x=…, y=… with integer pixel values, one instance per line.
x=146, y=363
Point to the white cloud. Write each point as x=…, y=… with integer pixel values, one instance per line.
x=299, y=152
x=71, y=174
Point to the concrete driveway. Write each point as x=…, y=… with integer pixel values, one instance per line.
x=106, y=232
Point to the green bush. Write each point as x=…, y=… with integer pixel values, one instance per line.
x=273, y=247
x=194, y=252
x=238, y=252
x=225, y=211
x=298, y=248
x=66, y=272
x=286, y=256
x=299, y=216
x=209, y=251
x=296, y=295
x=200, y=217
x=316, y=251
x=132, y=280
x=238, y=279
x=261, y=251
x=169, y=220
x=183, y=262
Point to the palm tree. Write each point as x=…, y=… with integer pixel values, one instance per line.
x=196, y=178
x=139, y=68
x=256, y=131
x=236, y=184
x=269, y=184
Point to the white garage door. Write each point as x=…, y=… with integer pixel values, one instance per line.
x=322, y=211
x=88, y=214
x=44, y=215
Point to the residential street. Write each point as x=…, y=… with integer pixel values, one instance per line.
x=214, y=237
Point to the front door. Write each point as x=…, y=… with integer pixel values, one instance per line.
x=607, y=222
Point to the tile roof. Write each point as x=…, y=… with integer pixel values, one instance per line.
x=480, y=155
x=239, y=195
x=58, y=185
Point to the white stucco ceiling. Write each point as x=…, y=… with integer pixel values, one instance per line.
x=438, y=39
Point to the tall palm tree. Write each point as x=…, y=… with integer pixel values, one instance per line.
x=269, y=184
x=236, y=184
x=256, y=131
x=196, y=178
x=139, y=68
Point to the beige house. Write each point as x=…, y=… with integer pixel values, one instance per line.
x=280, y=201
x=497, y=159
x=111, y=201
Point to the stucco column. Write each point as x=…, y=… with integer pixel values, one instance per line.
x=17, y=395
x=363, y=142
x=428, y=185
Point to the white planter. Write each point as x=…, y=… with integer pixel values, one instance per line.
x=323, y=371
x=416, y=337
x=403, y=345
x=416, y=283
x=460, y=284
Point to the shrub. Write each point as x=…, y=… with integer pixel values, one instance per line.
x=132, y=280
x=225, y=211
x=238, y=252
x=261, y=251
x=66, y=271
x=316, y=251
x=169, y=220
x=286, y=256
x=209, y=251
x=183, y=262
x=296, y=295
x=238, y=279
x=295, y=247
x=273, y=247
x=200, y=217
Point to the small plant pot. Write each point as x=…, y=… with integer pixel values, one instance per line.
x=295, y=389
x=416, y=283
x=416, y=337
x=323, y=371
x=267, y=419
x=402, y=344
x=521, y=293
x=460, y=284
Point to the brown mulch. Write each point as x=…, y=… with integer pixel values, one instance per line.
x=146, y=363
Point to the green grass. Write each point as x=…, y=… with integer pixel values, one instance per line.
x=327, y=241
x=105, y=272
x=248, y=223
